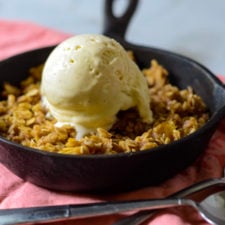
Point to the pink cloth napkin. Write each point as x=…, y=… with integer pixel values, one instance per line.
x=16, y=37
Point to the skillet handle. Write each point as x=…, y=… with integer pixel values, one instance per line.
x=117, y=26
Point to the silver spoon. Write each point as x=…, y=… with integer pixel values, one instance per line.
x=201, y=190
x=213, y=213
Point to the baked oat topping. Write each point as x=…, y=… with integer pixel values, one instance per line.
x=177, y=113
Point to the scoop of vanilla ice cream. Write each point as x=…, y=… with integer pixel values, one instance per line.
x=88, y=79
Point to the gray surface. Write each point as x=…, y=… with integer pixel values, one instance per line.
x=195, y=28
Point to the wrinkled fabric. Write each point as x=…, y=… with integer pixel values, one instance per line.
x=16, y=37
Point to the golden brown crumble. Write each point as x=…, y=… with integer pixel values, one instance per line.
x=177, y=113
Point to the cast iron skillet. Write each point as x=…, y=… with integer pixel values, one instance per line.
x=121, y=171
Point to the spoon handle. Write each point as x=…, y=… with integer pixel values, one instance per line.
x=63, y=212
x=195, y=192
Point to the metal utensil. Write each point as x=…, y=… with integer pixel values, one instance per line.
x=214, y=214
x=195, y=192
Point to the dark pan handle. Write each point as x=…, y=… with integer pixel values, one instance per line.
x=114, y=26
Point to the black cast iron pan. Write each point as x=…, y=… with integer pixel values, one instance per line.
x=121, y=171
